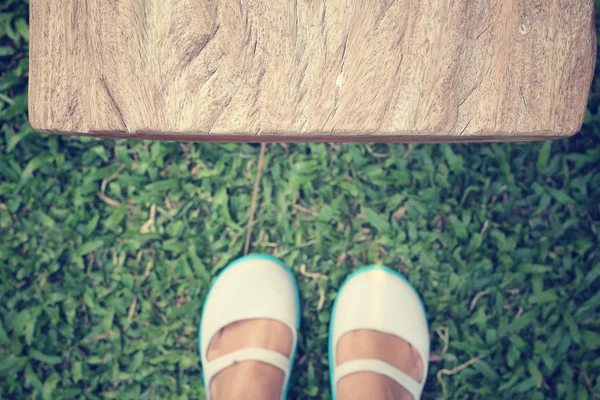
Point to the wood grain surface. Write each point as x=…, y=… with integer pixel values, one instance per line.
x=302, y=70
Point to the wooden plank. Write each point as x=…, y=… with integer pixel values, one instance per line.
x=301, y=70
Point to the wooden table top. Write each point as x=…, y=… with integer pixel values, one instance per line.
x=311, y=70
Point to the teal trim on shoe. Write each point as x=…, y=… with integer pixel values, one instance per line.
x=352, y=275
x=250, y=257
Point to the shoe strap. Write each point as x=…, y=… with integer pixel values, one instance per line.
x=250, y=354
x=379, y=367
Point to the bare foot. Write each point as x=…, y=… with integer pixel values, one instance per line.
x=250, y=379
x=382, y=346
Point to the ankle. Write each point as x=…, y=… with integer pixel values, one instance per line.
x=368, y=344
x=370, y=385
x=248, y=380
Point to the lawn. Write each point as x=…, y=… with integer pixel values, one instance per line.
x=109, y=247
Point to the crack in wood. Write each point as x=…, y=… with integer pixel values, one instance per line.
x=465, y=128
x=197, y=50
x=114, y=103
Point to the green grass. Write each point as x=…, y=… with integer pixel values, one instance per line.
x=501, y=240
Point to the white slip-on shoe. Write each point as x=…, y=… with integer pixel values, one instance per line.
x=252, y=287
x=380, y=299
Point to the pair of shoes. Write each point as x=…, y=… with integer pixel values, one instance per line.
x=263, y=287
